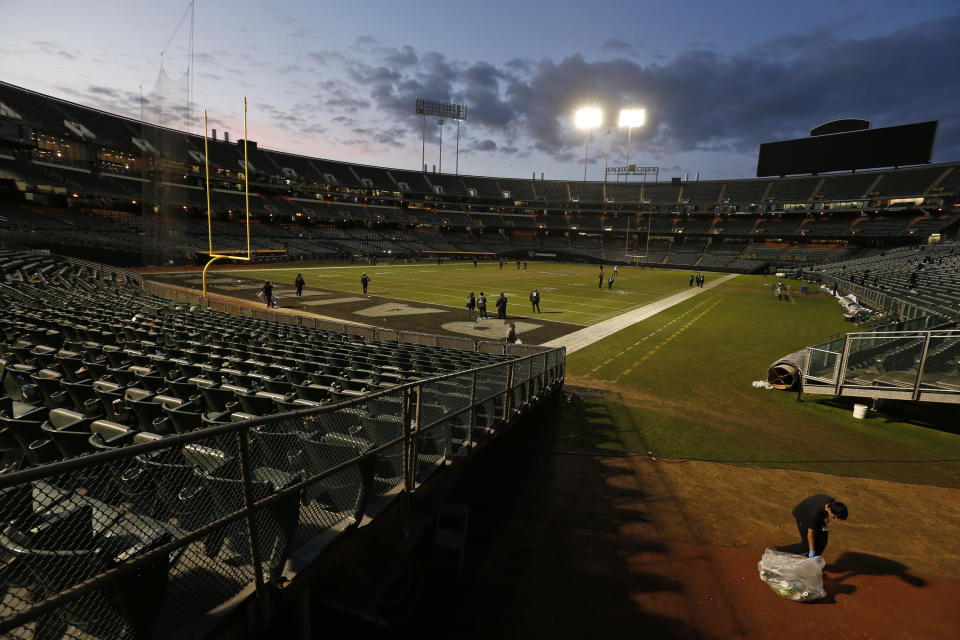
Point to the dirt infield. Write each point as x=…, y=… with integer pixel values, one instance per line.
x=388, y=313
x=572, y=544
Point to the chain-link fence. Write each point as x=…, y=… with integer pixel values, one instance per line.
x=141, y=540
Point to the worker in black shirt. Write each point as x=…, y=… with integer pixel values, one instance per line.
x=299, y=282
x=502, y=306
x=471, y=305
x=811, y=516
x=266, y=293
x=364, y=280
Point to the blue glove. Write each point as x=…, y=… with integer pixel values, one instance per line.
x=811, y=554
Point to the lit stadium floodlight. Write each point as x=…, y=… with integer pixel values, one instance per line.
x=631, y=118
x=442, y=110
x=587, y=118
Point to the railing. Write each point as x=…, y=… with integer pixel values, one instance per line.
x=143, y=540
x=891, y=304
x=907, y=365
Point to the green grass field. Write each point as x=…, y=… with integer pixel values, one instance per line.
x=679, y=383
x=569, y=292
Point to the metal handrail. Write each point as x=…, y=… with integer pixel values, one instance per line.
x=250, y=507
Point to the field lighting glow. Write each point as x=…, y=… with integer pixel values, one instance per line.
x=632, y=117
x=588, y=117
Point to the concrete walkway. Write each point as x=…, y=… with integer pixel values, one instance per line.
x=585, y=337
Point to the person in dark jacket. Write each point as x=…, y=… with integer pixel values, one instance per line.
x=535, y=301
x=364, y=280
x=471, y=305
x=299, y=282
x=502, y=306
x=266, y=292
x=812, y=515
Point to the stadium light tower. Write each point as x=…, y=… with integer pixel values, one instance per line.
x=587, y=118
x=441, y=110
x=631, y=118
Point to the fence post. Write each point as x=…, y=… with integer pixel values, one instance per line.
x=508, y=399
x=473, y=410
x=409, y=436
x=243, y=448
x=920, y=367
x=842, y=365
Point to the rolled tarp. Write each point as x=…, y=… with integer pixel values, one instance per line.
x=785, y=372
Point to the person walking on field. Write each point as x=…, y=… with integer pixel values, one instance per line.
x=482, y=306
x=364, y=281
x=502, y=307
x=471, y=305
x=600, y=280
x=535, y=301
x=691, y=279
x=266, y=293
x=610, y=283
x=299, y=282
x=616, y=269
x=811, y=516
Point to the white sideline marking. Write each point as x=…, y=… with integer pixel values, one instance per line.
x=587, y=336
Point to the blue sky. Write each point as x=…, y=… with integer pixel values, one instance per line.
x=338, y=79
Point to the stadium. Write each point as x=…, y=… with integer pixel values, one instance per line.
x=188, y=453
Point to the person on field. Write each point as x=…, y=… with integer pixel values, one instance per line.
x=471, y=305
x=266, y=293
x=600, y=281
x=610, y=282
x=482, y=306
x=812, y=515
x=535, y=301
x=502, y=306
x=691, y=279
x=299, y=282
x=364, y=281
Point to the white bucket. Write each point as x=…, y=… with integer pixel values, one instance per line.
x=859, y=411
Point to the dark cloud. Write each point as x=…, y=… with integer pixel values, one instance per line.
x=700, y=100
x=52, y=48
x=484, y=145
x=617, y=45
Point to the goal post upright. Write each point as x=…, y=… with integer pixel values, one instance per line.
x=246, y=192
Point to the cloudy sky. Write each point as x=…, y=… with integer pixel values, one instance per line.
x=338, y=79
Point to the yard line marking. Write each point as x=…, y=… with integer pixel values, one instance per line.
x=649, y=335
x=656, y=348
x=589, y=335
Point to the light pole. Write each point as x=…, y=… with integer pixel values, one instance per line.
x=441, y=145
x=631, y=118
x=587, y=118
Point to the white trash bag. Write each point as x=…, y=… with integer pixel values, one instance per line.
x=793, y=576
